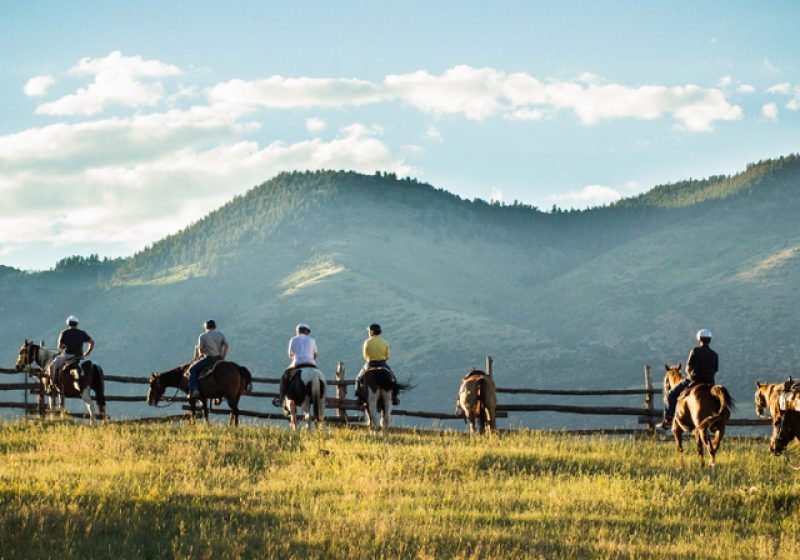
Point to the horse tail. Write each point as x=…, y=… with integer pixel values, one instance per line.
x=725, y=407
x=247, y=379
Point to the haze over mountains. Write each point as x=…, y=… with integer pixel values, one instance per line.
x=561, y=299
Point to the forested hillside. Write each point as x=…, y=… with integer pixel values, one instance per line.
x=561, y=298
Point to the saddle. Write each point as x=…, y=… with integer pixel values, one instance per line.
x=475, y=373
x=206, y=371
x=73, y=372
x=789, y=396
x=692, y=385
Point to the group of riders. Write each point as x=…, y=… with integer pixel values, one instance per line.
x=212, y=347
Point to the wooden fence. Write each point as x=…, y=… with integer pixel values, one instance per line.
x=646, y=414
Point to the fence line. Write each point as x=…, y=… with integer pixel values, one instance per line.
x=646, y=414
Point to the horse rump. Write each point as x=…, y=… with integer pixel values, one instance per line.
x=726, y=405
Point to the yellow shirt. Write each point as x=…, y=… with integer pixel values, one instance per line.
x=376, y=349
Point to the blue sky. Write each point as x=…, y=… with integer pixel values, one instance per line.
x=122, y=123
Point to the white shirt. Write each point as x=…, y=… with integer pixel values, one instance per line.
x=303, y=350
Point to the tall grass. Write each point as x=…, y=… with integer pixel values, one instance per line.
x=196, y=491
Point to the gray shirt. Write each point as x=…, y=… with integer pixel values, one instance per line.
x=211, y=343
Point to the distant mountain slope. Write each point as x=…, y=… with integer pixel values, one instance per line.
x=562, y=299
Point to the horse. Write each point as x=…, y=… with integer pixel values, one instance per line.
x=76, y=380
x=477, y=400
x=378, y=385
x=307, y=386
x=785, y=409
x=704, y=409
x=765, y=394
x=225, y=379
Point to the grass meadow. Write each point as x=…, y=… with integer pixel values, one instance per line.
x=197, y=491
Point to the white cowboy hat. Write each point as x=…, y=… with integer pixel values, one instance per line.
x=72, y=319
x=703, y=333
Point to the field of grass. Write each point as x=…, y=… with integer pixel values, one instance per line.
x=196, y=491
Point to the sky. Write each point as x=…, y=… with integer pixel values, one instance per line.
x=123, y=122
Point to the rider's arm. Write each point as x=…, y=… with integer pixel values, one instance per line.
x=315, y=351
x=291, y=353
x=89, y=350
x=60, y=345
x=225, y=348
x=364, y=351
x=690, y=363
x=388, y=353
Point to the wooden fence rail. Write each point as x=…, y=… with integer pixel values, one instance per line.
x=646, y=414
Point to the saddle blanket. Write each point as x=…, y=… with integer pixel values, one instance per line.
x=789, y=401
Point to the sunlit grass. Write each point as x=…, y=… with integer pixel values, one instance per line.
x=194, y=491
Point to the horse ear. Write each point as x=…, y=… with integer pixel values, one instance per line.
x=26, y=341
x=758, y=385
x=666, y=367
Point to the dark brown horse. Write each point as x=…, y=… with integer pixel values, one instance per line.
x=226, y=380
x=75, y=380
x=477, y=400
x=705, y=409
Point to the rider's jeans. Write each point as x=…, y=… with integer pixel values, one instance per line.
x=58, y=362
x=195, y=370
x=672, y=398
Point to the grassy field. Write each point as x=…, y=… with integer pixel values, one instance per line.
x=182, y=491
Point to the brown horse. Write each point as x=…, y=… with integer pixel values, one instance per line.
x=785, y=410
x=477, y=400
x=76, y=379
x=766, y=393
x=224, y=380
x=704, y=409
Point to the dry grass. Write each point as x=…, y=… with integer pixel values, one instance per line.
x=261, y=492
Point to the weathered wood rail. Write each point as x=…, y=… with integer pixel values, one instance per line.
x=646, y=414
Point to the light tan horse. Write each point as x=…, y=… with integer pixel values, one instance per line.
x=705, y=409
x=766, y=394
x=477, y=400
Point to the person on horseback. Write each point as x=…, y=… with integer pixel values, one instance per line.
x=70, y=343
x=212, y=346
x=303, y=352
x=701, y=367
x=376, y=353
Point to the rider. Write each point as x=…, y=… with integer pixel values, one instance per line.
x=303, y=352
x=376, y=353
x=701, y=367
x=212, y=346
x=70, y=342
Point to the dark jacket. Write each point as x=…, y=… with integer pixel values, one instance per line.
x=702, y=364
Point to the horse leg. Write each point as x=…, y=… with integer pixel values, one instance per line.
x=307, y=411
x=192, y=409
x=702, y=440
x=293, y=415
x=387, y=410
x=87, y=399
x=205, y=410
x=677, y=433
x=372, y=410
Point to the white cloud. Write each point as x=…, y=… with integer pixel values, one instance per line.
x=770, y=111
x=136, y=203
x=745, y=88
x=497, y=195
x=589, y=196
x=725, y=81
x=38, y=86
x=433, y=133
x=315, y=125
x=784, y=88
x=480, y=93
x=117, y=81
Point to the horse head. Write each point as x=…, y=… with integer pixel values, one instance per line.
x=761, y=398
x=156, y=390
x=783, y=432
x=26, y=355
x=672, y=376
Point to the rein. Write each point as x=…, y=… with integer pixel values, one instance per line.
x=171, y=401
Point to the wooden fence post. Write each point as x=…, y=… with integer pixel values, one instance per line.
x=648, y=399
x=489, y=362
x=341, y=391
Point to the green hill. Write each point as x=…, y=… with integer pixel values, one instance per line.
x=560, y=299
